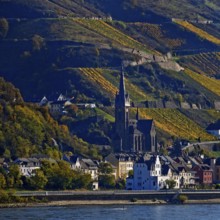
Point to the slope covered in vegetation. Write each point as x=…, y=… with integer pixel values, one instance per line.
x=27, y=129
x=209, y=83
x=176, y=124
x=198, y=31
x=73, y=47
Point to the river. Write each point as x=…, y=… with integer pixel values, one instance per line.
x=127, y=212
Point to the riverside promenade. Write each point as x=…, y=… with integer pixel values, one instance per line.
x=166, y=196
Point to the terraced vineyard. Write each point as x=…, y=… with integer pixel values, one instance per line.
x=175, y=123
x=112, y=33
x=95, y=75
x=211, y=84
x=157, y=32
x=108, y=81
x=201, y=33
x=205, y=63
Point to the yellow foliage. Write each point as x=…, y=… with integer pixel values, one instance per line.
x=112, y=33
x=95, y=75
x=198, y=31
x=175, y=123
x=211, y=84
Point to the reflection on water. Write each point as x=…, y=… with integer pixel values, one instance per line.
x=120, y=212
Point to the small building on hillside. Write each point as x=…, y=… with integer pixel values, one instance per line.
x=74, y=161
x=214, y=129
x=28, y=165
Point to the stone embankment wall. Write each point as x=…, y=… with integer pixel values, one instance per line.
x=174, y=105
x=168, y=195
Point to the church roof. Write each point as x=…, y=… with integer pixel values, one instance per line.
x=145, y=125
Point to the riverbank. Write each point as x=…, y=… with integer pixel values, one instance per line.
x=82, y=202
x=103, y=202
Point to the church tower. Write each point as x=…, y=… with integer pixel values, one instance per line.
x=122, y=105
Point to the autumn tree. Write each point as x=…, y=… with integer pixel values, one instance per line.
x=171, y=184
x=2, y=181
x=38, y=181
x=106, y=179
x=4, y=27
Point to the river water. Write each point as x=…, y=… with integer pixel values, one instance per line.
x=127, y=212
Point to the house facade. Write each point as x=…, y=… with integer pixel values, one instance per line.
x=154, y=173
x=122, y=162
x=214, y=129
x=148, y=175
x=27, y=165
x=204, y=174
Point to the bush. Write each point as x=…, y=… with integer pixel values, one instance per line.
x=182, y=198
x=4, y=197
x=134, y=200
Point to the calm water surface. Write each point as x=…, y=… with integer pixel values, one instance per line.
x=136, y=212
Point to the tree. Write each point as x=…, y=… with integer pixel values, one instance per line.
x=107, y=181
x=120, y=184
x=59, y=175
x=39, y=180
x=15, y=172
x=81, y=181
x=130, y=173
x=105, y=168
x=2, y=181
x=171, y=184
x=4, y=26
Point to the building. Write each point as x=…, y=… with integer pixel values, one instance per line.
x=89, y=167
x=122, y=162
x=148, y=175
x=214, y=128
x=154, y=173
x=204, y=174
x=131, y=135
x=74, y=161
x=27, y=165
x=214, y=164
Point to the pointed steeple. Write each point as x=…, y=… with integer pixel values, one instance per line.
x=122, y=91
x=137, y=114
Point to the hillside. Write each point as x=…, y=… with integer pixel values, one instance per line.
x=156, y=11
x=77, y=47
x=27, y=129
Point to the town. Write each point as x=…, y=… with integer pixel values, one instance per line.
x=136, y=163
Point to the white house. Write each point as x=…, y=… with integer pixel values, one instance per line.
x=89, y=167
x=27, y=165
x=148, y=175
x=214, y=129
x=74, y=162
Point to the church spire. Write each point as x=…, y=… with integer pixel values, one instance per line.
x=122, y=91
x=137, y=114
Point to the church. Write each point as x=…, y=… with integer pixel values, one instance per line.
x=131, y=135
